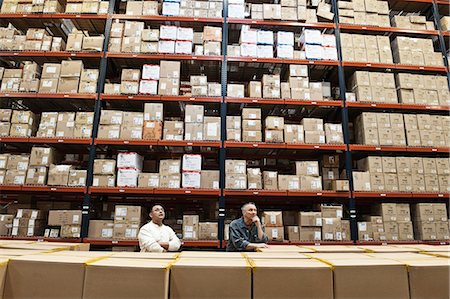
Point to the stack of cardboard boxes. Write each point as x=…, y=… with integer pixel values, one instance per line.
x=364, y=12
x=404, y=174
x=415, y=22
x=127, y=222
x=210, y=9
x=422, y=89
x=104, y=173
x=308, y=172
x=69, y=222
x=274, y=127
x=251, y=125
x=236, y=174
x=373, y=87
x=314, y=130
x=297, y=87
x=65, y=124
x=307, y=176
x=193, y=229
x=87, y=6
x=129, y=165
x=66, y=175
x=153, y=121
x=393, y=222
x=287, y=10
x=81, y=41
x=318, y=46
x=54, y=6
x=23, y=123
x=28, y=223
x=431, y=221
x=398, y=129
x=366, y=48
x=201, y=87
x=35, y=39
x=417, y=51
x=324, y=225
x=6, y=222
x=133, y=37
x=23, y=79
x=191, y=171
x=116, y=124
x=15, y=168
x=40, y=159
x=139, y=8
x=5, y=122
x=170, y=175
x=234, y=128
x=273, y=223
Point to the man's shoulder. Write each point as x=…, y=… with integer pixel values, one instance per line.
x=236, y=222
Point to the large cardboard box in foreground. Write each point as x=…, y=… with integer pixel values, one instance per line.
x=45, y=276
x=316, y=279
x=369, y=278
x=201, y=278
x=127, y=278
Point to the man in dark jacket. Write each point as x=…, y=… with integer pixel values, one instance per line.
x=247, y=232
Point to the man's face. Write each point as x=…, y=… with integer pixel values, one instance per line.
x=249, y=211
x=157, y=213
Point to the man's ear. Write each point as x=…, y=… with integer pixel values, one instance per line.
x=150, y=214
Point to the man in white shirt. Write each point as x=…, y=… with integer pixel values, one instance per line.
x=157, y=237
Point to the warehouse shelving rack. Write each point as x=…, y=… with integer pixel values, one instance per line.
x=102, y=24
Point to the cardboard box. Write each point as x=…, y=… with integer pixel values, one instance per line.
x=104, y=166
x=148, y=180
x=104, y=181
x=310, y=168
x=194, y=114
x=270, y=180
x=125, y=231
x=275, y=233
x=184, y=272
x=64, y=217
x=36, y=175
x=101, y=229
x=58, y=175
x=127, y=177
x=77, y=178
x=288, y=182
x=425, y=230
x=235, y=181
x=152, y=130
x=50, y=269
x=310, y=233
x=387, y=210
x=440, y=212
x=310, y=183
x=41, y=156
x=209, y=179
x=361, y=181
x=310, y=219
x=272, y=219
x=207, y=230
x=169, y=167
x=172, y=181
x=190, y=227
x=170, y=69
x=403, y=212
x=331, y=229
x=128, y=214
x=340, y=185
x=14, y=177
x=423, y=212
x=405, y=231
x=129, y=160
x=16, y=162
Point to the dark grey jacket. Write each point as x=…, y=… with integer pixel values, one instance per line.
x=240, y=236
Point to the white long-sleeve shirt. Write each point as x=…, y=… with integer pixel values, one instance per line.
x=151, y=233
